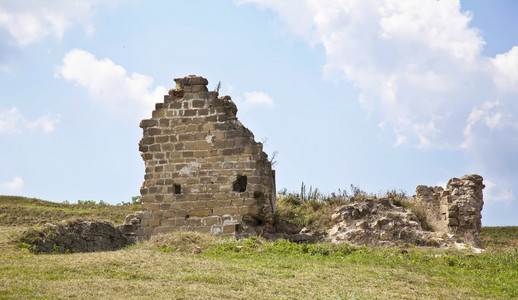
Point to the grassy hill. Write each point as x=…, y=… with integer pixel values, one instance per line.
x=167, y=266
x=23, y=211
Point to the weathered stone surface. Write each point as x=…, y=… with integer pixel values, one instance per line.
x=455, y=210
x=453, y=213
x=205, y=165
x=77, y=236
x=378, y=222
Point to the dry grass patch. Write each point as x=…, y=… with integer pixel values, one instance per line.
x=165, y=267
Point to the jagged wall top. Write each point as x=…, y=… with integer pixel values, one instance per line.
x=457, y=209
x=204, y=170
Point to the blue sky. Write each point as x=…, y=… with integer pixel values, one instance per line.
x=379, y=94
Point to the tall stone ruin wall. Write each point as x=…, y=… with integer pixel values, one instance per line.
x=455, y=210
x=204, y=170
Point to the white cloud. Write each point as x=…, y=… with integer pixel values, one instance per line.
x=258, y=99
x=494, y=193
x=401, y=140
x=28, y=21
x=12, y=186
x=129, y=96
x=46, y=123
x=506, y=70
x=412, y=61
x=419, y=68
x=12, y=122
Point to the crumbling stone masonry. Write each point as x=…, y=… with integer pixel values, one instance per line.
x=204, y=170
x=74, y=237
x=455, y=210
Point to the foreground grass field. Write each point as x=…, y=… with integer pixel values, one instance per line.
x=165, y=267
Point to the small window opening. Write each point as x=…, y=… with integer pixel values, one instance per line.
x=186, y=217
x=177, y=189
x=240, y=184
x=258, y=195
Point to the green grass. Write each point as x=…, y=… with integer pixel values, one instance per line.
x=499, y=238
x=165, y=267
x=23, y=211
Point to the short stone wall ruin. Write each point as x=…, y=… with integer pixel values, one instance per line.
x=204, y=170
x=455, y=210
x=75, y=237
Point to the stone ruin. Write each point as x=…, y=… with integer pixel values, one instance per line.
x=454, y=215
x=455, y=210
x=74, y=237
x=204, y=170
x=378, y=223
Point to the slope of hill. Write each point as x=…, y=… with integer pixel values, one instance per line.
x=15, y=210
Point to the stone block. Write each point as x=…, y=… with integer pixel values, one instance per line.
x=229, y=229
x=186, y=154
x=203, y=229
x=154, y=222
x=154, y=148
x=219, y=211
x=244, y=210
x=170, y=213
x=191, y=128
x=164, y=122
x=147, y=140
x=148, y=123
x=201, y=154
x=189, y=113
x=202, y=112
x=198, y=103
x=199, y=88
x=167, y=222
x=175, y=105
x=218, y=203
x=152, y=206
x=211, y=221
x=181, y=213
x=205, y=196
x=192, y=80
x=168, y=147
x=453, y=222
x=200, y=204
x=199, y=212
x=169, y=197
x=237, y=202
x=158, y=114
x=193, y=221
